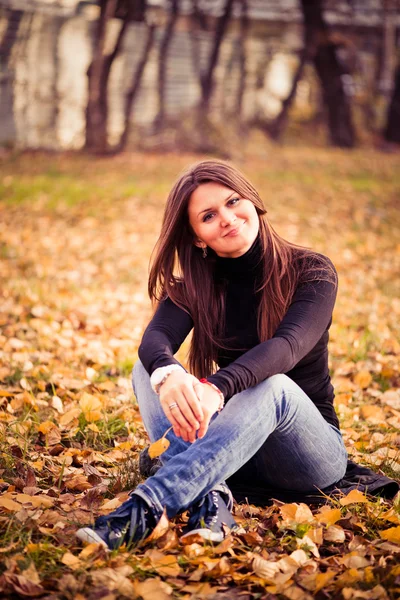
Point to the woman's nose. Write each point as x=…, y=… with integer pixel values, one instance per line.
x=227, y=218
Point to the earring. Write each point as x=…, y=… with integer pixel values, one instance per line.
x=205, y=252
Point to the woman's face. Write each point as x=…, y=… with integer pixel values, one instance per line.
x=222, y=220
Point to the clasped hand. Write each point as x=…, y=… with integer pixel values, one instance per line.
x=188, y=405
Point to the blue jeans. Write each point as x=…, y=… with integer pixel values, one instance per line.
x=272, y=428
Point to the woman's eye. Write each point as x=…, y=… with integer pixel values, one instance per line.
x=207, y=217
x=233, y=201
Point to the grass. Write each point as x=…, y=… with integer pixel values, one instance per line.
x=75, y=241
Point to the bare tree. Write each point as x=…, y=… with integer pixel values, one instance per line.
x=206, y=76
x=243, y=31
x=391, y=133
x=163, y=61
x=135, y=86
x=100, y=68
x=9, y=36
x=324, y=52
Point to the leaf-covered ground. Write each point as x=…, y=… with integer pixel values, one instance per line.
x=75, y=238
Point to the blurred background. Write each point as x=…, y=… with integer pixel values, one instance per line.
x=198, y=75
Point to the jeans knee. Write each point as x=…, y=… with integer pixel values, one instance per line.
x=138, y=372
x=279, y=382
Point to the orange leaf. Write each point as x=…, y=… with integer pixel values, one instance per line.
x=392, y=534
x=363, y=379
x=9, y=504
x=159, y=447
x=353, y=497
x=329, y=516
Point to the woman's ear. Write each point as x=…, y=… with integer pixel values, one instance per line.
x=199, y=243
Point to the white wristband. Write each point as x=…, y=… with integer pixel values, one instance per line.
x=159, y=376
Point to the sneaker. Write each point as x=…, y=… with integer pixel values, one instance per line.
x=210, y=518
x=132, y=522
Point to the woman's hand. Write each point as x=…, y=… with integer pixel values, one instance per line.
x=181, y=403
x=210, y=401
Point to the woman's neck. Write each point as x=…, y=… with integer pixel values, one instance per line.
x=245, y=266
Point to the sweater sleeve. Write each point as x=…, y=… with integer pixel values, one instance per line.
x=164, y=335
x=307, y=318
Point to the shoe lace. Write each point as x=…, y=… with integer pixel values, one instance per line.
x=204, y=511
x=131, y=522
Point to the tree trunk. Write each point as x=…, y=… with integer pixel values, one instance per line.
x=207, y=78
x=133, y=90
x=392, y=129
x=279, y=124
x=244, y=26
x=329, y=70
x=163, y=62
x=388, y=50
x=98, y=77
x=9, y=36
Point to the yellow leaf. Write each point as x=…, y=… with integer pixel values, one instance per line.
x=323, y=579
x=89, y=550
x=363, y=379
x=165, y=564
x=373, y=413
x=353, y=497
x=46, y=426
x=111, y=504
x=71, y=561
x=92, y=426
x=159, y=447
x=328, y=517
x=69, y=416
x=392, y=534
x=91, y=407
x=9, y=504
x=299, y=513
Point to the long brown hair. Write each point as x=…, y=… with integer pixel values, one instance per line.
x=179, y=271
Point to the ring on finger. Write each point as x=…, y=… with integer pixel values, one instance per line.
x=173, y=405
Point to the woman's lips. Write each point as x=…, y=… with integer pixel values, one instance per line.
x=233, y=232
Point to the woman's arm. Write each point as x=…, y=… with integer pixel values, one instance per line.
x=164, y=335
x=306, y=320
x=161, y=340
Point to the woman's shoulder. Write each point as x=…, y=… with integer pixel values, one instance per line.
x=314, y=266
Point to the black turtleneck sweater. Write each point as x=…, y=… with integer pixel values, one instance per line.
x=298, y=347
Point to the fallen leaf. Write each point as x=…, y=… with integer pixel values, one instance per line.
x=335, y=534
x=391, y=535
x=363, y=379
x=153, y=589
x=159, y=447
x=353, y=497
x=71, y=561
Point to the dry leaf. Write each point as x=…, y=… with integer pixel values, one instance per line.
x=9, y=504
x=91, y=407
x=164, y=564
x=115, y=579
x=153, y=589
x=298, y=513
x=391, y=535
x=160, y=529
x=159, y=447
x=335, y=534
x=363, y=379
x=328, y=516
x=353, y=497
x=73, y=562
x=266, y=569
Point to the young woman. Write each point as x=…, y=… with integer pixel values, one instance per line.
x=257, y=398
